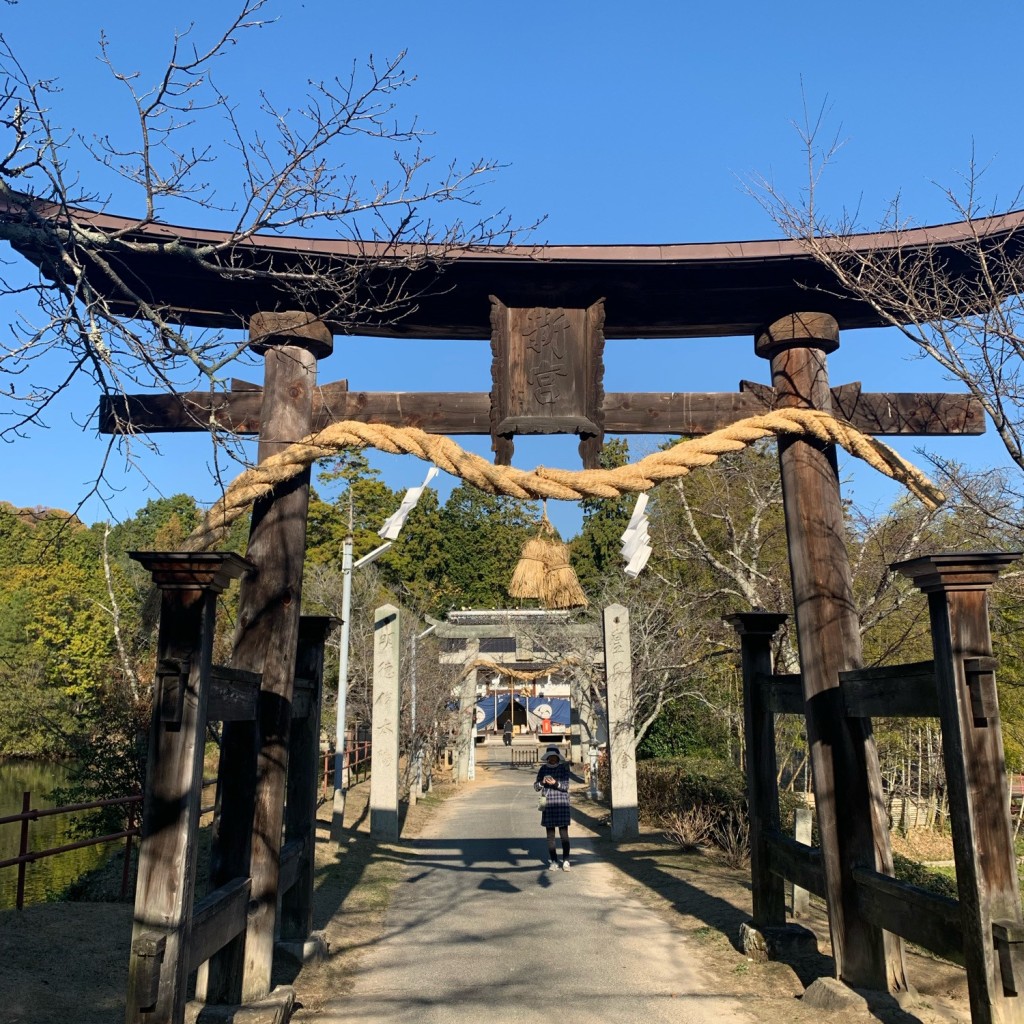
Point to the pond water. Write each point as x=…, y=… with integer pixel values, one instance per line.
x=46, y=878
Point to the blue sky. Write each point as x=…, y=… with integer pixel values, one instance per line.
x=618, y=123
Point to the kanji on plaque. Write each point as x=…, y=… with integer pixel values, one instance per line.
x=547, y=371
x=546, y=333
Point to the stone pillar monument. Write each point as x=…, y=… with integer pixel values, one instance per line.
x=386, y=720
x=621, y=734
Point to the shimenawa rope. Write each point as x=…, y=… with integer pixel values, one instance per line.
x=517, y=673
x=566, y=485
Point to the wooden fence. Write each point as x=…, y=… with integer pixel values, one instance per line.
x=984, y=928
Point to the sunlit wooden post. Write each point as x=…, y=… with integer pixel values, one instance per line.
x=957, y=587
x=165, y=891
x=847, y=780
x=254, y=759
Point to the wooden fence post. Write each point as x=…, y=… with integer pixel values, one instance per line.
x=847, y=780
x=165, y=891
x=957, y=586
x=303, y=767
x=756, y=630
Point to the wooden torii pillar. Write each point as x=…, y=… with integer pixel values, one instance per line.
x=254, y=758
x=847, y=780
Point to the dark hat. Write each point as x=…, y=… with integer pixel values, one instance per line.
x=552, y=752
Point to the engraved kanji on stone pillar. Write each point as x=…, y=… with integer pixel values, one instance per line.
x=384, y=733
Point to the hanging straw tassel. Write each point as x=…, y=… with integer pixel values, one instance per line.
x=528, y=578
x=544, y=571
x=561, y=586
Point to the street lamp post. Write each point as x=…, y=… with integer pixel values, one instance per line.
x=389, y=531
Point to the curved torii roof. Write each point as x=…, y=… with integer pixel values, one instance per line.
x=701, y=289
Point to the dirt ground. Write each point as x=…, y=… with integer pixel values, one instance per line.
x=68, y=961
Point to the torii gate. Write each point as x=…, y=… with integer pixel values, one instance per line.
x=547, y=311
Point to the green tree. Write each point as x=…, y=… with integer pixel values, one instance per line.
x=482, y=538
x=596, y=550
x=362, y=501
x=160, y=525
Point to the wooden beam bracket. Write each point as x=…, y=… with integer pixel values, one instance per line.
x=1009, y=941
x=172, y=679
x=148, y=955
x=981, y=682
x=764, y=393
x=233, y=694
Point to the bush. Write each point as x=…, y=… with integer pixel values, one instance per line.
x=684, y=730
x=690, y=829
x=907, y=870
x=664, y=787
x=109, y=761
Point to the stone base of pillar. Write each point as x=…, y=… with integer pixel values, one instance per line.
x=313, y=950
x=831, y=995
x=274, y=1009
x=779, y=942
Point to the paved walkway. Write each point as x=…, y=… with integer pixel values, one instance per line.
x=480, y=930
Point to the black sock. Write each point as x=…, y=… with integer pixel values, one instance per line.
x=565, y=849
x=551, y=852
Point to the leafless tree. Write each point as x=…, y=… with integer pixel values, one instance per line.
x=959, y=300
x=295, y=173
x=720, y=544
x=670, y=651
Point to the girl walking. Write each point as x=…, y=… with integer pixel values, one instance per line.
x=553, y=781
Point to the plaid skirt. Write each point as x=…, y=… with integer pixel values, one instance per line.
x=556, y=809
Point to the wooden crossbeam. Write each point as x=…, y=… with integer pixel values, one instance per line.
x=217, y=919
x=798, y=862
x=922, y=917
x=468, y=412
x=291, y=856
x=891, y=691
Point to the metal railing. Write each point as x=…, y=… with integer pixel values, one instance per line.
x=358, y=762
x=29, y=814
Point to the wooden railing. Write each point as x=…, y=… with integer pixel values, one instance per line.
x=984, y=928
x=29, y=814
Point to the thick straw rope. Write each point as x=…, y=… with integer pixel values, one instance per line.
x=519, y=674
x=567, y=485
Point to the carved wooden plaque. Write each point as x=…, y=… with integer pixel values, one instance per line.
x=547, y=374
